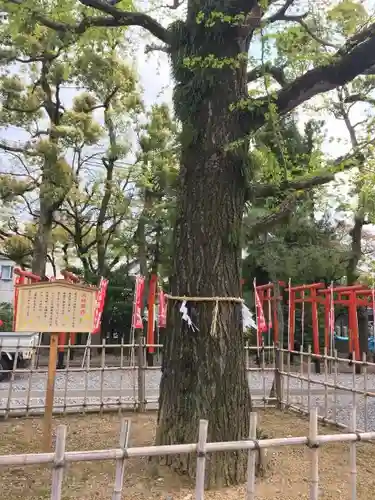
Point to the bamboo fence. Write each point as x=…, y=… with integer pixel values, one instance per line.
x=275, y=381
x=61, y=458
x=125, y=361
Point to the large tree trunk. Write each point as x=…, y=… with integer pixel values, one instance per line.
x=42, y=240
x=203, y=372
x=356, y=248
x=352, y=276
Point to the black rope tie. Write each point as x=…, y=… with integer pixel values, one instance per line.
x=313, y=445
x=256, y=445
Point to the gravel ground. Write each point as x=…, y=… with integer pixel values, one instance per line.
x=120, y=388
x=286, y=478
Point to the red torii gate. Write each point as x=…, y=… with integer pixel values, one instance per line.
x=351, y=296
x=317, y=294
x=267, y=295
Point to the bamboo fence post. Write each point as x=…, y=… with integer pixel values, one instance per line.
x=288, y=378
x=335, y=374
x=201, y=460
x=301, y=361
x=67, y=369
x=252, y=456
x=121, y=462
x=353, y=447
x=278, y=385
x=354, y=396
x=87, y=375
x=102, y=371
x=325, y=383
x=50, y=390
x=121, y=374
x=247, y=355
x=263, y=372
x=58, y=464
x=353, y=459
x=365, y=388
x=141, y=373
x=313, y=445
x=309, y=380
x=10, y=390
x=29, y=386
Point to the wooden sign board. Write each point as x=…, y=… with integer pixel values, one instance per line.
x=56, y=306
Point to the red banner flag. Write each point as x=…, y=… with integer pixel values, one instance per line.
x=151, y=312
x=137, y=306
x=261, y=321
x=162, y=310
x=100, y=300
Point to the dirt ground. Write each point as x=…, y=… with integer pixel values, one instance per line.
x=286, y=479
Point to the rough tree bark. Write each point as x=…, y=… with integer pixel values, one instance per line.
x=42, y=240
x=109, y=164
x=356, y=231
x=203, y=374
x=56, y=176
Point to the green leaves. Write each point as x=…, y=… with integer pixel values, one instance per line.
x=18, y=248
x=11, y=188
x=346, y=16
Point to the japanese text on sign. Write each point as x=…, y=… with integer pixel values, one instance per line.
x=55, y=307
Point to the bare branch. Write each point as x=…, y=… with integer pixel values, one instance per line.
x=360, y=98
x=65, y=227
x=157, y=48
x=274, y=71
x=29, y=207
x=33, y=174
x=20, y=150
x=281, y=14
x=353, y=59
x=315, y=37
x=176, y=4
x=263, y=224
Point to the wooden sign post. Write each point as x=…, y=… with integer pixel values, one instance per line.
x=54, y=307
x=50, y=391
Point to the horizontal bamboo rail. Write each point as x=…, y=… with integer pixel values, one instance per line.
x=60, y=458
x=132, y=393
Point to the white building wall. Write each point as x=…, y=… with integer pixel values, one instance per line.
x=6, y=280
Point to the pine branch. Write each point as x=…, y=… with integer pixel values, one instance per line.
x=341, y=164
x=19, y=150
x=30, y=111
x=303, y=184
